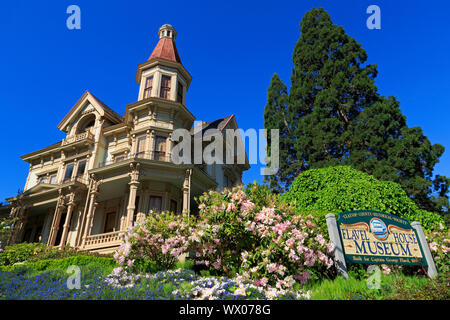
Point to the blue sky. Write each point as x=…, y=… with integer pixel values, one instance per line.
x=231, y=48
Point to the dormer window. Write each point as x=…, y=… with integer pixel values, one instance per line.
x=148, y=87
x=165, y=87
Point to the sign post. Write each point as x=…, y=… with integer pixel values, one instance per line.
x=339, y=258
x=432, y=271
x=374, y=237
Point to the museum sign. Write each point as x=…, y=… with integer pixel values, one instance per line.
x=378, y=238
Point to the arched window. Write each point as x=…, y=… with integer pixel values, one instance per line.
x=85, y=123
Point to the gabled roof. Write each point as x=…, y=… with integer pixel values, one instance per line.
x=100, y=107
x=218, y=124
x=167, y=50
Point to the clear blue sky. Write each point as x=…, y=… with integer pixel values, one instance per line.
x=231, y=48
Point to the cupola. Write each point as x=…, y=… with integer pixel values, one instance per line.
x=163, y=76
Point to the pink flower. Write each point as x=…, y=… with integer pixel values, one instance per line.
x=247, y=206
x=303, y=277
x=130, y=263
x=322, y=257
x=172, y=225
x=216, y=264
x=271, y=267
x=231, y=207
x=320, y=239
x=117, y=271
x=433, y=246
x=331, y=247
x=244, y=256
x=263, y=281
x=386, y=269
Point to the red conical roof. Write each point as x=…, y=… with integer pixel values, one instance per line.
x=166, y=49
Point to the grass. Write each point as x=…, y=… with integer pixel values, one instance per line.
x=391, y=287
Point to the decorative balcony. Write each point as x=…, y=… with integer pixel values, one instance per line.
x=85, y=136
x=153, y=155
x=103, y=240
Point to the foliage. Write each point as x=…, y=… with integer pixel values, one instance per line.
x=155, y=244
x=342, y=188
x=235, y=233
x=334, y=115
x=105, y=264
x=31, y=252
x=439, y=243
x=6, y=230
x=20, y=252
x=435, y=289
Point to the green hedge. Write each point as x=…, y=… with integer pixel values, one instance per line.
x=20, y=252
x=106, y=264
x=342, y=188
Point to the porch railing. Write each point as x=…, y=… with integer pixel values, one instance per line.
x=103, y=240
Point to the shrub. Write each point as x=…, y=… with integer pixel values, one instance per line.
x=234, y=235
x=342, y=188
x=6, y=230
x=104, y=264
x=20, y=252
x=439, y=243
x=54, y=253
x=268, y=245
x=157, y=242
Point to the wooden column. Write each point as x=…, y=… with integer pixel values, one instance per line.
x=187, y=192
x=23, y=222
x=56, y=218
x=91, y=210
x=169, y=147
x=18, y=212
x=66, y=226
x=134, y=184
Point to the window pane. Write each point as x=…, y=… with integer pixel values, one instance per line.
x=165, y=86
x=173, y=206
x=69, y=171
x=160, y=144
x=149, y=82
x=53, y=179
x=148, y=87
x=110, y=222
x=140, y=148
x=180, y=93
x=81, y=168
x=155, y=203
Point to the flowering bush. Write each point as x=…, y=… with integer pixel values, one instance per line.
x=267, y=245
x=235, y=235
x=161, y=238
x=439, y=243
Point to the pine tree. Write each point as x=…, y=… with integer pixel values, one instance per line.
x=275, y=118
x=334, y=115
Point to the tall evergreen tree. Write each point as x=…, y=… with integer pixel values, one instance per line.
x=334, y=115
x=275, y=118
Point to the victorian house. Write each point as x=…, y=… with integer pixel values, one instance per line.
x=111, y=170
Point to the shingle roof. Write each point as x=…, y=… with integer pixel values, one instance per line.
x=167, y=50
x=218, y=124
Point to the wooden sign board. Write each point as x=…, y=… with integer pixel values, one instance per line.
x=379, y=238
